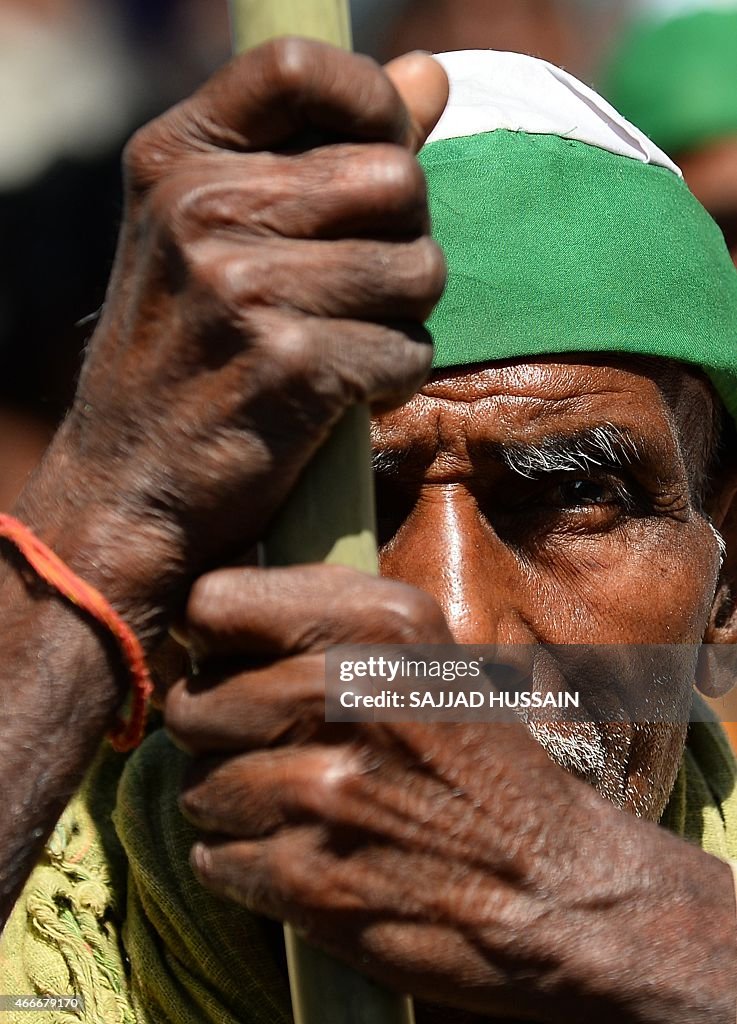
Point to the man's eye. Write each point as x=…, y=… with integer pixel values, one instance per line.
x=585, y=493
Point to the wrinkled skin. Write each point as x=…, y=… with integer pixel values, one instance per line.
x=435, y=854
x=264, y=282
x=211, y=378
x=242, y=320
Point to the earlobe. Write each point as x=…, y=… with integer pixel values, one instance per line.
x=722, y=628
x=716, y=670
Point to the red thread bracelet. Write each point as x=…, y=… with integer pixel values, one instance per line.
x=50, y=568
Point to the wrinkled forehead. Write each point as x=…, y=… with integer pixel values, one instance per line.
x=559, y=377
x=668, y=406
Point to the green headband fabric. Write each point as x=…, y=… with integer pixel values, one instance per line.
x=677, y=79
x=556, y=246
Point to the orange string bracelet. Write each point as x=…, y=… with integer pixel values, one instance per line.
x=125, y=735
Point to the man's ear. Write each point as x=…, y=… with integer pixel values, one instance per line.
x=716, y=673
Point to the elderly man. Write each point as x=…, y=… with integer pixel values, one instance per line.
x=561, y=479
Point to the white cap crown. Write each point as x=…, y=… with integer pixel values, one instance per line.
x=492, y=89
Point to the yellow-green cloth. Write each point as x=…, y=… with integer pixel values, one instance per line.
x=63, y=937
x=194, y=958
x=703, y=805
x=176, y=955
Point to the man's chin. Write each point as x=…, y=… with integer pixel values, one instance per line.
x=602, y=758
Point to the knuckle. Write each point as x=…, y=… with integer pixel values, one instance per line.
x=145, y=155
x=193, y=205
x=424, y=273
x=415, y=616
x=435, y=268
x=290, y=346
x=253, y=286
x=137, y=153
x=285, y=870
x=398, y=171
x=208, y=592
x=326, y=783
x=412, y=273
x=417, y=353
x=212, y=205
x=289, y=63
x=230, y=278
x=188, y=206
x=193, y=802
x=176, y=712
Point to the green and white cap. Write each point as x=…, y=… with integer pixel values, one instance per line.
x=567, y=230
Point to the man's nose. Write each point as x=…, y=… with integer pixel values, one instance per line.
x=447, y=548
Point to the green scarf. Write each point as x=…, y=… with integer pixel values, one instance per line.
x=157, y=949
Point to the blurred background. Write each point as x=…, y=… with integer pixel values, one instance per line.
x=78, y=76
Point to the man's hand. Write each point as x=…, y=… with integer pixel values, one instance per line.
x=274, y=267
x=454, y=862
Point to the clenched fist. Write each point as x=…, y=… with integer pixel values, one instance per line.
x=451, y=861
x=274, y=267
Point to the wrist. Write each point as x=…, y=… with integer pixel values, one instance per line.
x=133, y=558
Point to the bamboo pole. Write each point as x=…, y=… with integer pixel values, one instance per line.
x=255, y=21
x=328, y=518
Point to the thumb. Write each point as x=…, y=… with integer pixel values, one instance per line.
x=423, y=85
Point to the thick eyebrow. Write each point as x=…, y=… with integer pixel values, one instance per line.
x=388, y=463
x=602, y=447
x=395, y=462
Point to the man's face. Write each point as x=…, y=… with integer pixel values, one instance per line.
x=556, y=502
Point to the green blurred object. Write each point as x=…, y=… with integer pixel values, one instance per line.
x=676, y=78
x=328, y=518
x=326, y=992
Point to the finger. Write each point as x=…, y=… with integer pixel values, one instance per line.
x=255, y=795
x=351, y=279
x=336, y=362
x=343, y=191
x=284, y=876
x=384, y=914
x=284, y=611
x=273, y=95
x=423, y=85
x=351, y=789
x=220, y=711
